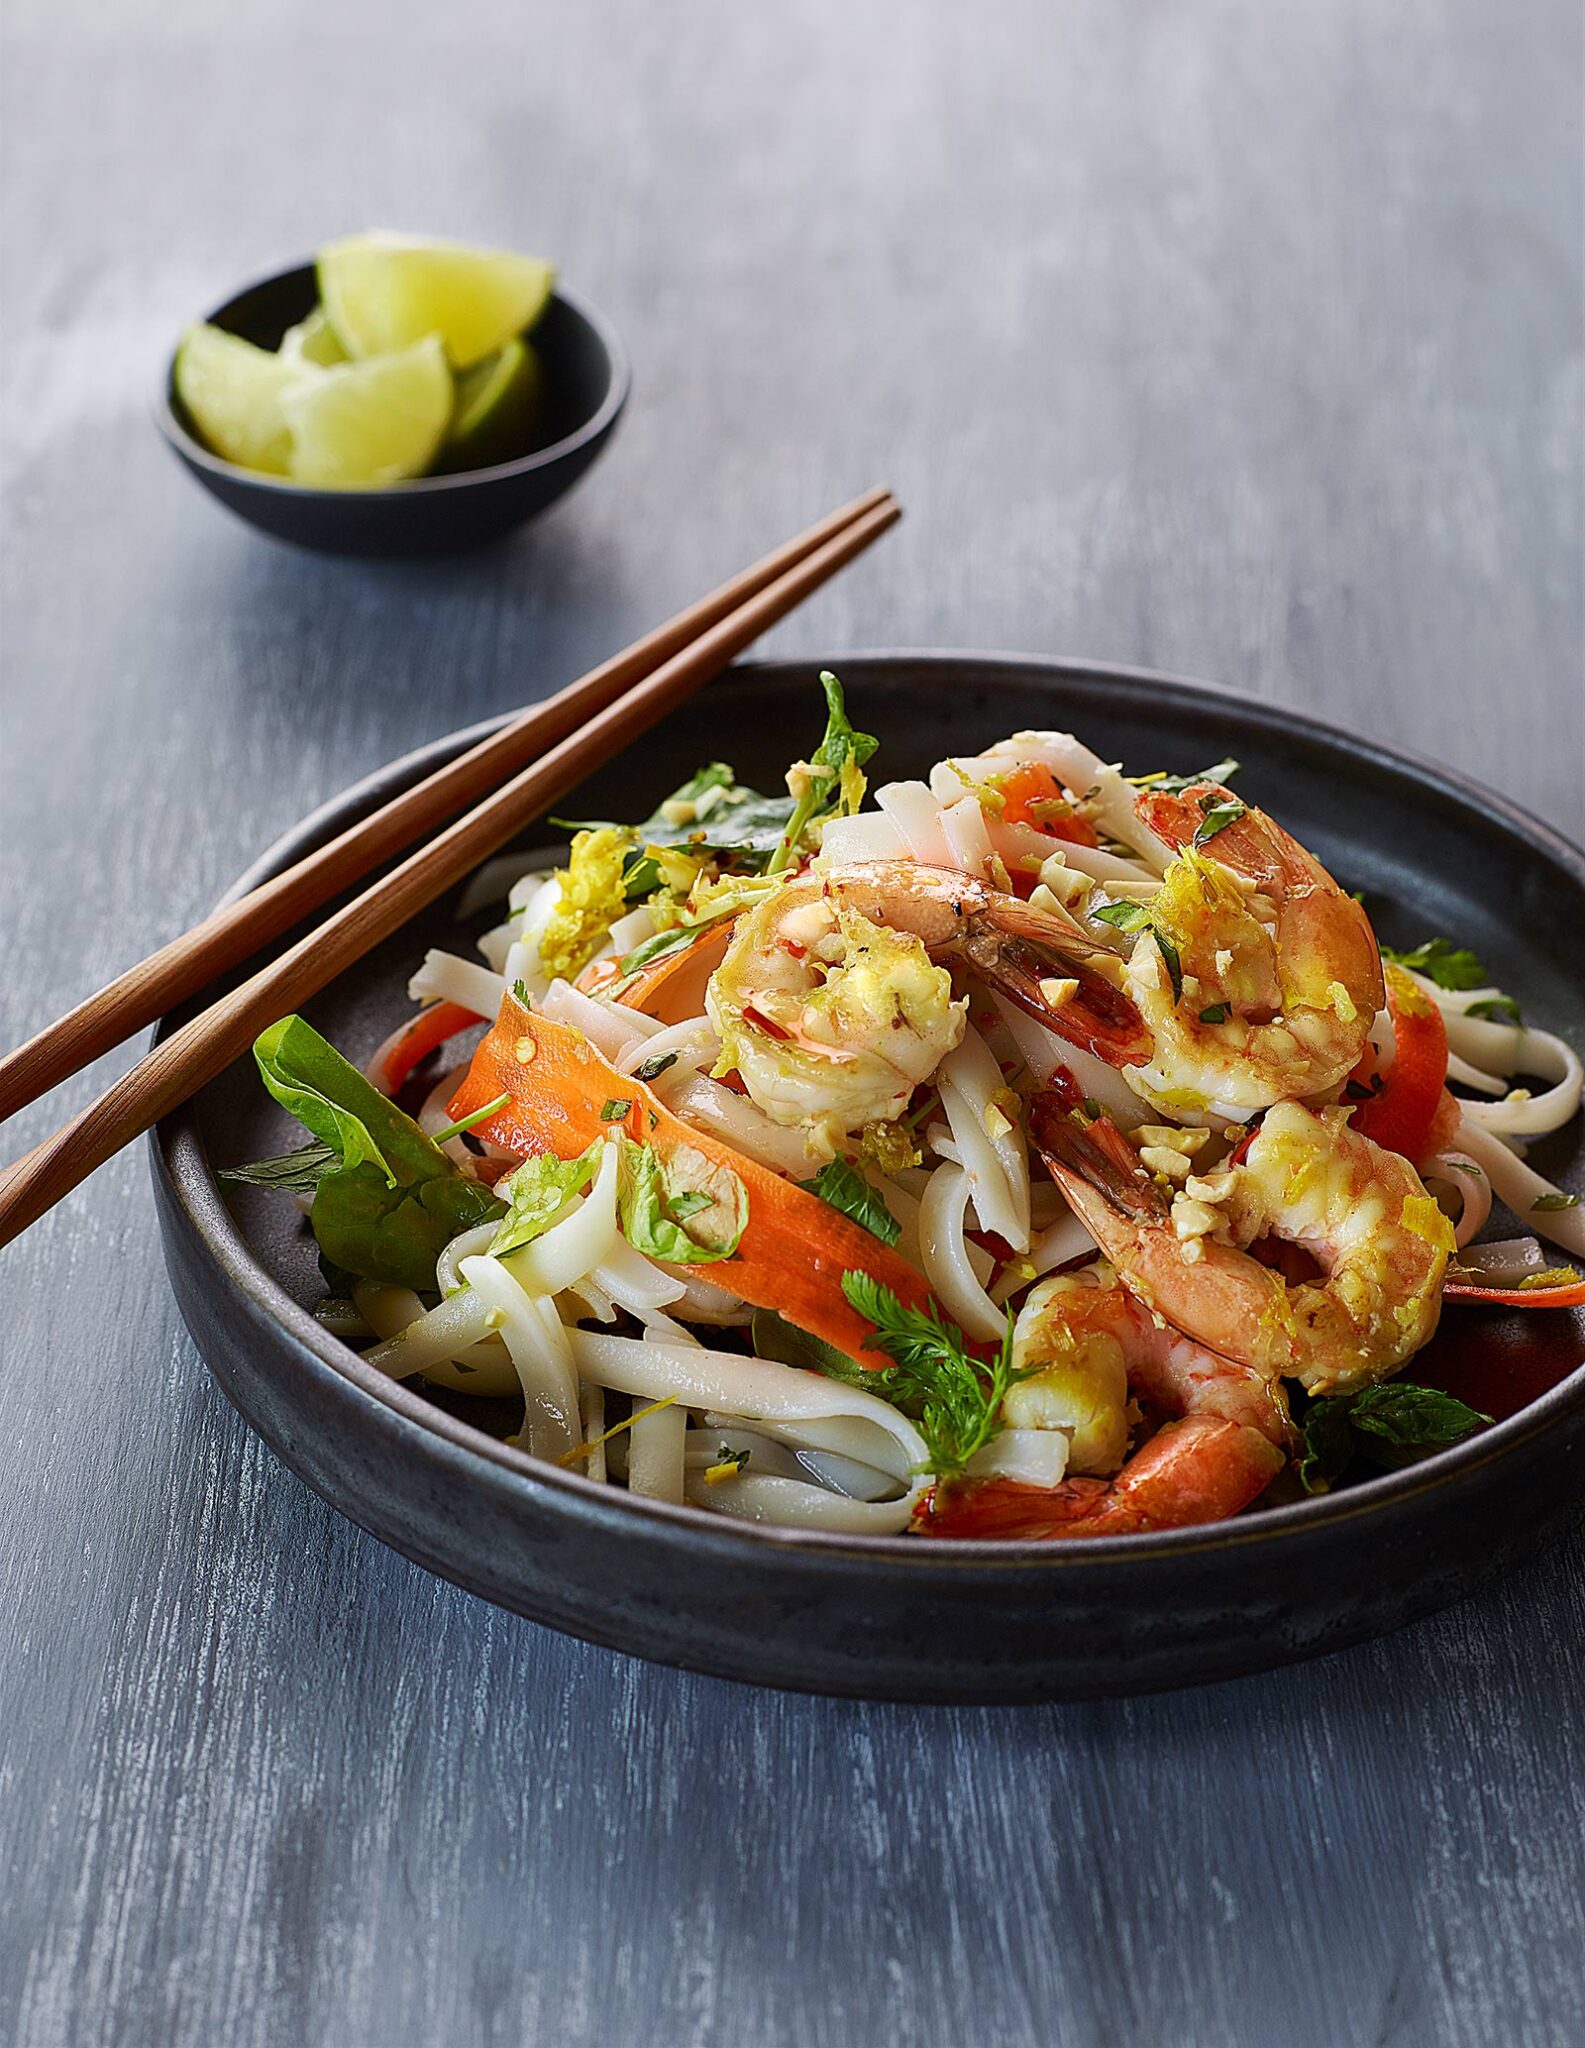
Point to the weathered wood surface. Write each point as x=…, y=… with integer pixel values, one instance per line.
x=1241, y=339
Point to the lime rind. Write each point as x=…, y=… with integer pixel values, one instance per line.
x=497, y=409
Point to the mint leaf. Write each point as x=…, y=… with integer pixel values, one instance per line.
x=845, y=1188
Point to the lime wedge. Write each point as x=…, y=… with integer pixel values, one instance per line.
x=235, y=394
x=497, y=408
x=313, y=341
x=385, y=291
x=364, y=424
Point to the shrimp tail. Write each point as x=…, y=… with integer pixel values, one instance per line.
x=1090, y=1159
x=1200, y=1468
x=1020, y=953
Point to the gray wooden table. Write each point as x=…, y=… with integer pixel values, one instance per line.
x=1243, y=339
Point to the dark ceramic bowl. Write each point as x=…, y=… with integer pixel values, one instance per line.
x=586, y=386
x=898, y=1617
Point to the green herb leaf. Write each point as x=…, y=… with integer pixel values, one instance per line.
x=378, y=1232
x=739, y=822
x=1392, y=1424
x=835, y=781
x=683, y=1207
x=520, y=994
x=293, y=1173
x=1496, y=1010
x=662, y=943
x=1170, y=960
x=1218, y=1013
x=1134, y=917
x=785, y=1344
x=1175, y=785
x=656, y=1065
x=393, y=1200
x=1126, y=917
x=1411, y=1417
x=1326, y=1445
x=1439, y=960
x=307, y=1076
x=614, y=1109
x=845, y=1188
x=954, y=1397
x=539, y=1192
x=1554, y=1201
x=1217, y=819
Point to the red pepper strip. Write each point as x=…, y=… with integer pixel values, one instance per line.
x=1031, y=792
x=1475, y=1296
x=795, y=1248
x=1400, y=1118
x=430, y=1028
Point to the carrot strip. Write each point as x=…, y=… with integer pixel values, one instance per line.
x=1472, y=1295
x=429, y=1029
x=795, y=1249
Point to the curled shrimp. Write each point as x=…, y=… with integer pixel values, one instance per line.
x=1222, y=1436
x=1361, y=1214
x=834, y=1000
x=1277, y=978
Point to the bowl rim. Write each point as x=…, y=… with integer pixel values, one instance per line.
x=618, y=388
x=186, y=1177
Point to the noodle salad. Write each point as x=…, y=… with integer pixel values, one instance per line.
x=1031, y=1151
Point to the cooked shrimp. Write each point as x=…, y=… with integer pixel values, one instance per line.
x=1361, y=1213
x=1222, y=1440
x=1278, y=978
x=833, y=1002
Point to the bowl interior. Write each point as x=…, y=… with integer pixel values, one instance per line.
x=1428, y=859
x=580, y=360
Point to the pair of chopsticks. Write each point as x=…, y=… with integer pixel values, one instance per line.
x=509, y=779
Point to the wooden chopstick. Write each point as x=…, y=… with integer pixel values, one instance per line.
x=199, y=1050
x=228, y=936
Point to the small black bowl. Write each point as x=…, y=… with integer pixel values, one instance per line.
x=586, y=386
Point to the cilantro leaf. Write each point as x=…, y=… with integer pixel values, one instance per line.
x=954, y=1398
x=1439, y=960
x=845, y=1188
